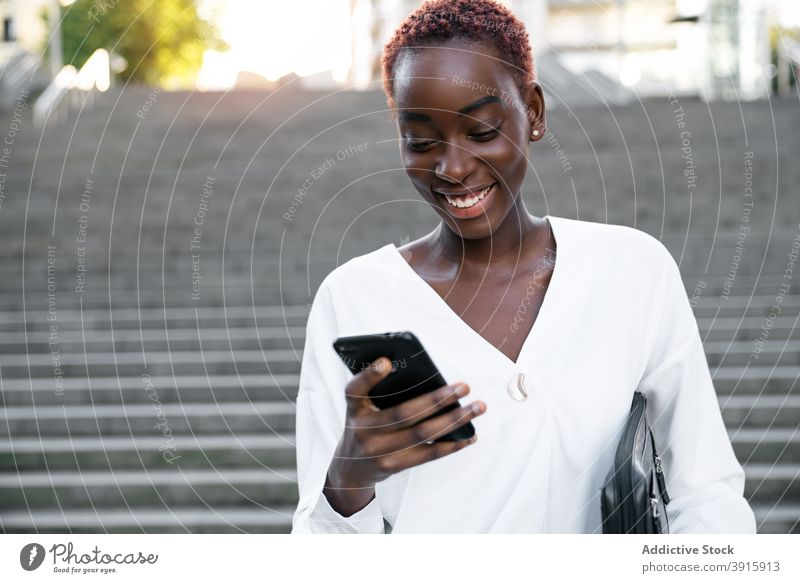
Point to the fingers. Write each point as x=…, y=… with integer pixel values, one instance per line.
x=419, y=454
x=394, y=442
x=358, y=388
x=440, y=425
x=415, y=410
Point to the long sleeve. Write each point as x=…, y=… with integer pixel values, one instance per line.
x=704, y=479
x=321, y=410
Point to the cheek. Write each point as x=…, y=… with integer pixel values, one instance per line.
x=416, y=166
x=408, y=159
x=507, y=157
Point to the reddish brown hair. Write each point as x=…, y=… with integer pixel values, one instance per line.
x=437, y=21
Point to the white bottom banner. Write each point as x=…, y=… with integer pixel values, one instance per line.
x=386, y=559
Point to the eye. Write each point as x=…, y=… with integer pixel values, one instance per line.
x=419, y=145
x=488, y=134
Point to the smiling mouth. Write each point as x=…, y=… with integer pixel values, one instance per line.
x=467, y=199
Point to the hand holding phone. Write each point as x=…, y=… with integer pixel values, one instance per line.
x=377, y=443
x=413, y=374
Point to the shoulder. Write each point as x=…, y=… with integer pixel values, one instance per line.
x=350, y=283
x=615, y=243
x=356, y=270
x=609, y=232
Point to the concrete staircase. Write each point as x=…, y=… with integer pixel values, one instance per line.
x=169, y=408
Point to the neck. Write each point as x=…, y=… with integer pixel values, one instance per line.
x=518, y=235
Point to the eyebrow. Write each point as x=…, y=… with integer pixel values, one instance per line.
x=412, y=116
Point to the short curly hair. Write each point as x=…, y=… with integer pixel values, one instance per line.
x=477, y=20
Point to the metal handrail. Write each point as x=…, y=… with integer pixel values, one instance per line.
x=95, y=74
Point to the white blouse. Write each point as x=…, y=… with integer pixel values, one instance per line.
x=615, y=319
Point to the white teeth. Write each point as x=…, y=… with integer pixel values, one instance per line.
x=468, y=200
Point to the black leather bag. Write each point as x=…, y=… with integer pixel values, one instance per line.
x=634, y=497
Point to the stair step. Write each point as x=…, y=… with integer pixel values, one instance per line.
x=766, y=446
x=155, y=318
x=157, y=362
x=102, y=338
x=783, y=518
x=772, y=482
x=160, y=449
x=183, y=418
x=165, y=519
x=268, y=338
x=175, y=486
x=169, y=389
x=8, y=361
x=743, y=352
x=760, y=410
x=123, y=478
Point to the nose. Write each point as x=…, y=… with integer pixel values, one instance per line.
x=454, y=164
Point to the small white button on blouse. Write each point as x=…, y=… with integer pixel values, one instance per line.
x=516, y=387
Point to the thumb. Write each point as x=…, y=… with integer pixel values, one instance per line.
x=377, y=370
x=361, y=384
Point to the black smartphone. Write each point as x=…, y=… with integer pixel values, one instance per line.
x=413, y=371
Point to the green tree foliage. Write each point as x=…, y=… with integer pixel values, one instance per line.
x=776, y=33
x=163, y=41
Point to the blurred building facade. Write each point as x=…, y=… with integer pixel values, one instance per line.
x=23, y=24
x=717, y=49
x=23, y=34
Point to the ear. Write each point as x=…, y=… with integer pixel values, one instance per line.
x=534, y=105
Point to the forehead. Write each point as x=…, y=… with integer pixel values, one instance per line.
x=450, y=75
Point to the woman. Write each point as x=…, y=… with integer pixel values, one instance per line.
x=552, y=324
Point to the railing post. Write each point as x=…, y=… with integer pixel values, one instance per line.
x=95, y=74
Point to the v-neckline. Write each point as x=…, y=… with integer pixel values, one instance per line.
x=544, y=310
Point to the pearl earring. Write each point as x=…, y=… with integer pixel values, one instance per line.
x=535, y=133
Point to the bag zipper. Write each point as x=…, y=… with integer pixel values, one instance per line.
x=662, y=485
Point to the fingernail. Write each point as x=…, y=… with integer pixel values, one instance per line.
x=473, y=439
x=461, y=390
x=477, y=407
